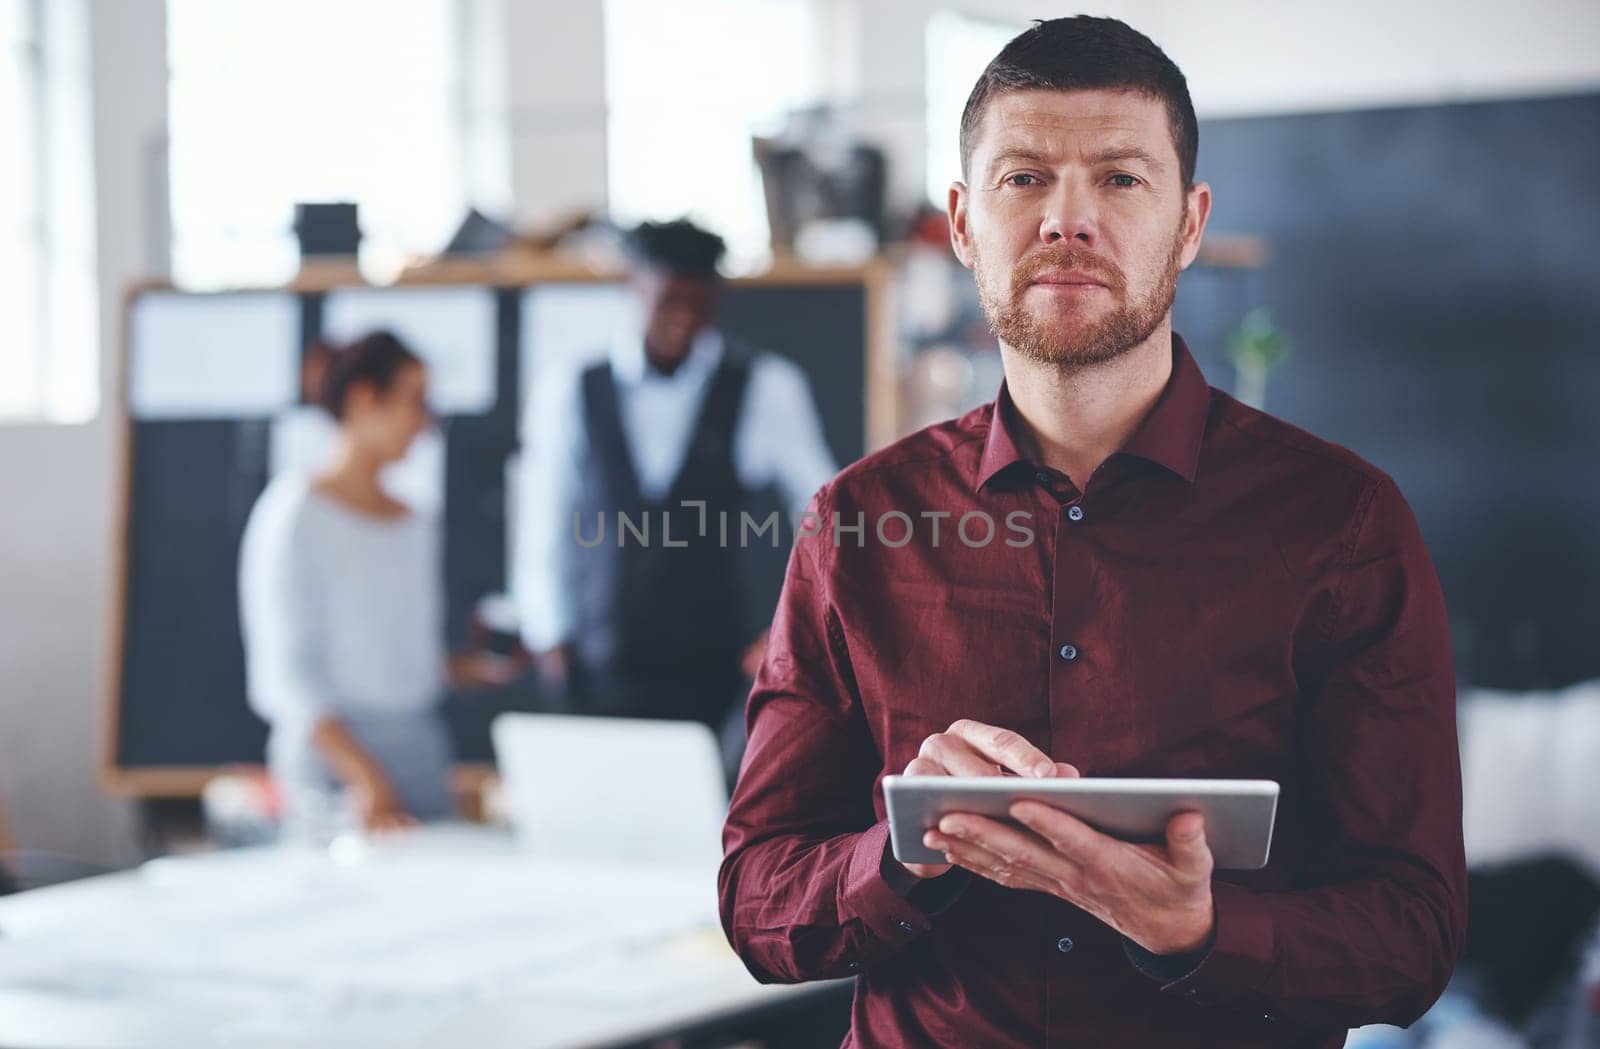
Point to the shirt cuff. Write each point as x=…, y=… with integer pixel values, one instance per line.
x=541, y=635
x=895, y=915
x=1164, y=968
x=932, y=896
x=1242, y=946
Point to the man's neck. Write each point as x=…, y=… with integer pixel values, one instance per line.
x=1073, y=417
x=659, y=364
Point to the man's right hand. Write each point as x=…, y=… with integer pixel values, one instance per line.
x=555, y=665
x=971, y=748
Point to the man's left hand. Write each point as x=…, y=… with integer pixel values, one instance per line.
x=1158, y=896
x=754, y=653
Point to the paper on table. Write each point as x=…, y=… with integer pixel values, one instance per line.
x=416, y=924
x=242, y=1009
x=359, y=1016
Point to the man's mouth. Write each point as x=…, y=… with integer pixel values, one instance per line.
x=1067, y=279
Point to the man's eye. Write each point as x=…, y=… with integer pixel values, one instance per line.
x=1013, y=179
x=1124, y=181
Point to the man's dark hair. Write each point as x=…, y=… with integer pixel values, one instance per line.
x=679, y=247
x=375, y=359
x=1069, y=54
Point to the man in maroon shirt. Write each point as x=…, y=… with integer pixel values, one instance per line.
x=1112, y=570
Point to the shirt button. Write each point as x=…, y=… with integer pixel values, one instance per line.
x=1064, y=944
x=907, y=926
x=1043, y=477
x=1075, y=513
x=1069, y=652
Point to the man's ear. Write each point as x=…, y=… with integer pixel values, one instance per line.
x=957, y=211
x=1196, y=209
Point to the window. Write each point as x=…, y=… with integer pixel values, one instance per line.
x=274, y=102
x=687, y=84
x=49, y=361
x=958, y=49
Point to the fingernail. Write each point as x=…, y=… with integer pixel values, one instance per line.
x=1047, y=768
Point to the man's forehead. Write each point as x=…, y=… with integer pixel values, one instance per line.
x=1018, y=118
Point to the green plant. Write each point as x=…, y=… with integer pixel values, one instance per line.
x=1256, y=347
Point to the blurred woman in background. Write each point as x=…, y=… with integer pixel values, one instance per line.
x=341, y=596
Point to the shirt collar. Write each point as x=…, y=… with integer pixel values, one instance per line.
x=1169, y=435
x=629, y=366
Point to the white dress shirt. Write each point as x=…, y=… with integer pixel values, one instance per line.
x=777, y=441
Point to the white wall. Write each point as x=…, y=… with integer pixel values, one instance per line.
x=1262, y=57
x=556, y=104
x=55, y=513
x=1248, y=57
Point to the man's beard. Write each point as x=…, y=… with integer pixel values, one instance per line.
x=1085, y=343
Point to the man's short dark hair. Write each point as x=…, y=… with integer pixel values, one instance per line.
x=679, y=247
x=1082, y=53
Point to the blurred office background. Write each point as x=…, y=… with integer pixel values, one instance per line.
x=1401, y=259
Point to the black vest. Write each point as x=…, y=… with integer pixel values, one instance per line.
x=659, y=630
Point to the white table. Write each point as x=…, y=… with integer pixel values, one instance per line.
x=444, y=936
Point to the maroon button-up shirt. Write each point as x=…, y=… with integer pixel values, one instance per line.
x=1241, y=599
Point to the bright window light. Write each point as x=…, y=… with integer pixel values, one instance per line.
x=274, y=102
x=49, y=357
x=688, y=83
x=959, y=47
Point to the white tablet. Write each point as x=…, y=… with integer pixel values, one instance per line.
x=1238, y=812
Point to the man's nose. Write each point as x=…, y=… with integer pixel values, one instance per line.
x=1069, y=216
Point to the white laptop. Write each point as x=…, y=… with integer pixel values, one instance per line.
x=613, y=790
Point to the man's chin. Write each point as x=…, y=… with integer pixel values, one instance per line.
x=1066, y=316
x=1066, y=335
x=1076, y=344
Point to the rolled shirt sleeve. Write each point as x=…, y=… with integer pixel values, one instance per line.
x=546, y=569
x=780, y=440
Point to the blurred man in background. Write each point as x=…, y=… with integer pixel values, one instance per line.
x=674, y=428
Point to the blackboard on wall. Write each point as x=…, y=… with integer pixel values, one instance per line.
x=1438, y=269
x=178, y=708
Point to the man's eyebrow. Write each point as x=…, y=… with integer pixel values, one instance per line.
x=1110, y=154
x=1015, y=153
x=1115, y=153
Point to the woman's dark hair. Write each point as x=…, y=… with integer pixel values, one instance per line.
x=1081, y=53
x=374, y=359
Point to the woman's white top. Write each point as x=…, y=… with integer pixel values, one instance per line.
x=342, y=613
